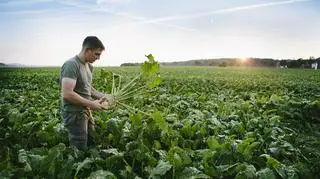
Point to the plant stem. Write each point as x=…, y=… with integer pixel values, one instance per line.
x=133, y=163
x=133, y=109
x=131, y=92
x=138, y=76
x=123, y=91
x=173, y=172
x=113, y=85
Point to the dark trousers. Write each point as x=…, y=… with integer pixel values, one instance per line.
x=79, y=127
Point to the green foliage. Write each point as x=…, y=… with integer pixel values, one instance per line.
x=197, y=123
x=266, y=173
x=102, y=174
x=150, y=67
x=82, y=164
x=147, y=79
x=161, y=169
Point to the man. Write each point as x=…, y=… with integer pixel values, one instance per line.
x=78, y=94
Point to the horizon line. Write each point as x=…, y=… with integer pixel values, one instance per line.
x=217, y=58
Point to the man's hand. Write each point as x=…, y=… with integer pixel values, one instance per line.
x=96, y=105
x=108, y=101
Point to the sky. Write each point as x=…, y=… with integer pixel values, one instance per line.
x=49, y=32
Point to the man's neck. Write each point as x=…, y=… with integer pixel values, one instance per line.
x=81, y=57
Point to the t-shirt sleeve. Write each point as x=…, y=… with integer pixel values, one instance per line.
x=69, y=70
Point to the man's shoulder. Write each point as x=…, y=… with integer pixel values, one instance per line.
x=71, y=62
x=70, y=68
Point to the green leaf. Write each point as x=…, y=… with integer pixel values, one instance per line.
x=150, y=67
x=272, y=162
x=248, y=152
x=51, y=161
x=160, y=121
x=191, y=173
x=178, y=157
x=99, y=174
x=242, y=147
x=154, y=82
x=248, y=173
x=162, y=154
x=292, y=173
x=161, y=169
x=213, y=143
x=113, y=151
x=23, y=158
x=246, y=147
x=150, y=57
x=225, y=168
x=36, y=160
x=135, y=119
x=84, y=163
x=276, y=165
x=266, y=173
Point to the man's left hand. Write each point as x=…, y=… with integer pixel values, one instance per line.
x=108, y=101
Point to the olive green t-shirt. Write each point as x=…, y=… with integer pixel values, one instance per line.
x=80, y=71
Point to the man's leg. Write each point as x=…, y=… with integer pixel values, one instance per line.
x=77, y=125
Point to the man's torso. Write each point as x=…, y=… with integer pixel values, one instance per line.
x=75, y=69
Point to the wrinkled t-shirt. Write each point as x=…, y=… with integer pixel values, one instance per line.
x=80, y=71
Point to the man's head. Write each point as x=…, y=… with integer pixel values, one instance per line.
x=92, y=48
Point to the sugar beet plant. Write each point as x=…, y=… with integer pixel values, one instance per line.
x=147, y=79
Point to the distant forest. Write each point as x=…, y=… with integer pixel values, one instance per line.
x=249, y=62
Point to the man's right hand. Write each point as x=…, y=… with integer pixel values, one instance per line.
x=96, y=105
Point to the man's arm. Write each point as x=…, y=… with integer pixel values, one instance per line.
x=68, y=85
x=96, y=94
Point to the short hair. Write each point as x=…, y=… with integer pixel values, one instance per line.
x=92, y=43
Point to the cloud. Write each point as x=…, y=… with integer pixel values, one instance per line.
x=26, y=12
x=222, y=11
x=23, y=2
x=99, y=2
x=87, y=7
x=95, y=8
x=22, y=7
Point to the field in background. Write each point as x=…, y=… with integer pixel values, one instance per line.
x=205, y=122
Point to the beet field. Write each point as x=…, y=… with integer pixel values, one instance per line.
x=195, y=122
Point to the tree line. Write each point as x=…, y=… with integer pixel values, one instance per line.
x=248, y=62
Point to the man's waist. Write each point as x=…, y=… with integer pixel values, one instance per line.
x=76, y=111
x=68, y=107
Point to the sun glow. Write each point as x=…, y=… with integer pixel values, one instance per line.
x=244, y=59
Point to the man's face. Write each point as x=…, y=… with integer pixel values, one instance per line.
x=92, y=55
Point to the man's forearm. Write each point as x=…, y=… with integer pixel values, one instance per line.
x=76, y=99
